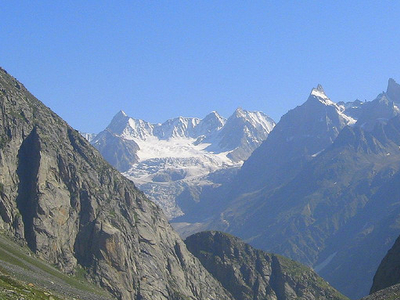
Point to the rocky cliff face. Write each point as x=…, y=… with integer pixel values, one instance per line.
x=253, y=274
x=72, y=208
x=388, y=273
x=390, y=293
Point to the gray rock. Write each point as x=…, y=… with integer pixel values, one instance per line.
x=251, y=274
x=388, y=272
x=72, y=208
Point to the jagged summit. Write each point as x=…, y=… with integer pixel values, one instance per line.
x=214, y=115
x=318, y=91
x=239, y=112
x=176, y=157
x=120, y=115
x=211, y=123
x=118, y=122
x=319, y=94
x=393, y=90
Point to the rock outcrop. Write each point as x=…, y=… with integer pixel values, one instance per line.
x=251, y=274
x=72, y=208
x=388, y=273
x=390, y=293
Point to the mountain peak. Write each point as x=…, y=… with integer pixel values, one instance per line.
x=119, y=122
x=318, y=92
x=239, y=112
x=393, y=90
x=119, y=115
x=215, y=116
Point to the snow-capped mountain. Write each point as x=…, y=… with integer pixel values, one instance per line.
x=173, y=161
x=88, y=136
x=299, y=136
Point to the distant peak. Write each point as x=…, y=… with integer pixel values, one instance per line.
x=214, y=112
x=239, y=112
x=392, y=81
x=119, y=120
x=214, y=115
x=318, y=92
x=239, y=109
x=121, y=113
x=393, y=90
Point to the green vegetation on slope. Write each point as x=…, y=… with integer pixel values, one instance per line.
x=22, y=274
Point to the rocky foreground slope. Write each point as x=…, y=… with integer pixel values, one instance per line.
x=73, y=209
x=251, y=274
x=390, y=293
x=24, y=276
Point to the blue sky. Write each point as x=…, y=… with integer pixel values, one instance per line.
x=156, y=60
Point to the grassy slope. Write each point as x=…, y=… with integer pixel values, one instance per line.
x=22, y=274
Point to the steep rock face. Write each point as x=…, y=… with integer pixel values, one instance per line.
x=60, y=196
x=253, y=274
x=388, y=273
x=393, y=90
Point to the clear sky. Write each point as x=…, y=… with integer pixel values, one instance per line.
x=156, y=60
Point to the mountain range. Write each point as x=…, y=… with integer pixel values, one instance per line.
x=175, y=161
x=62, y=205
x=322, y=189
x=329, y=199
